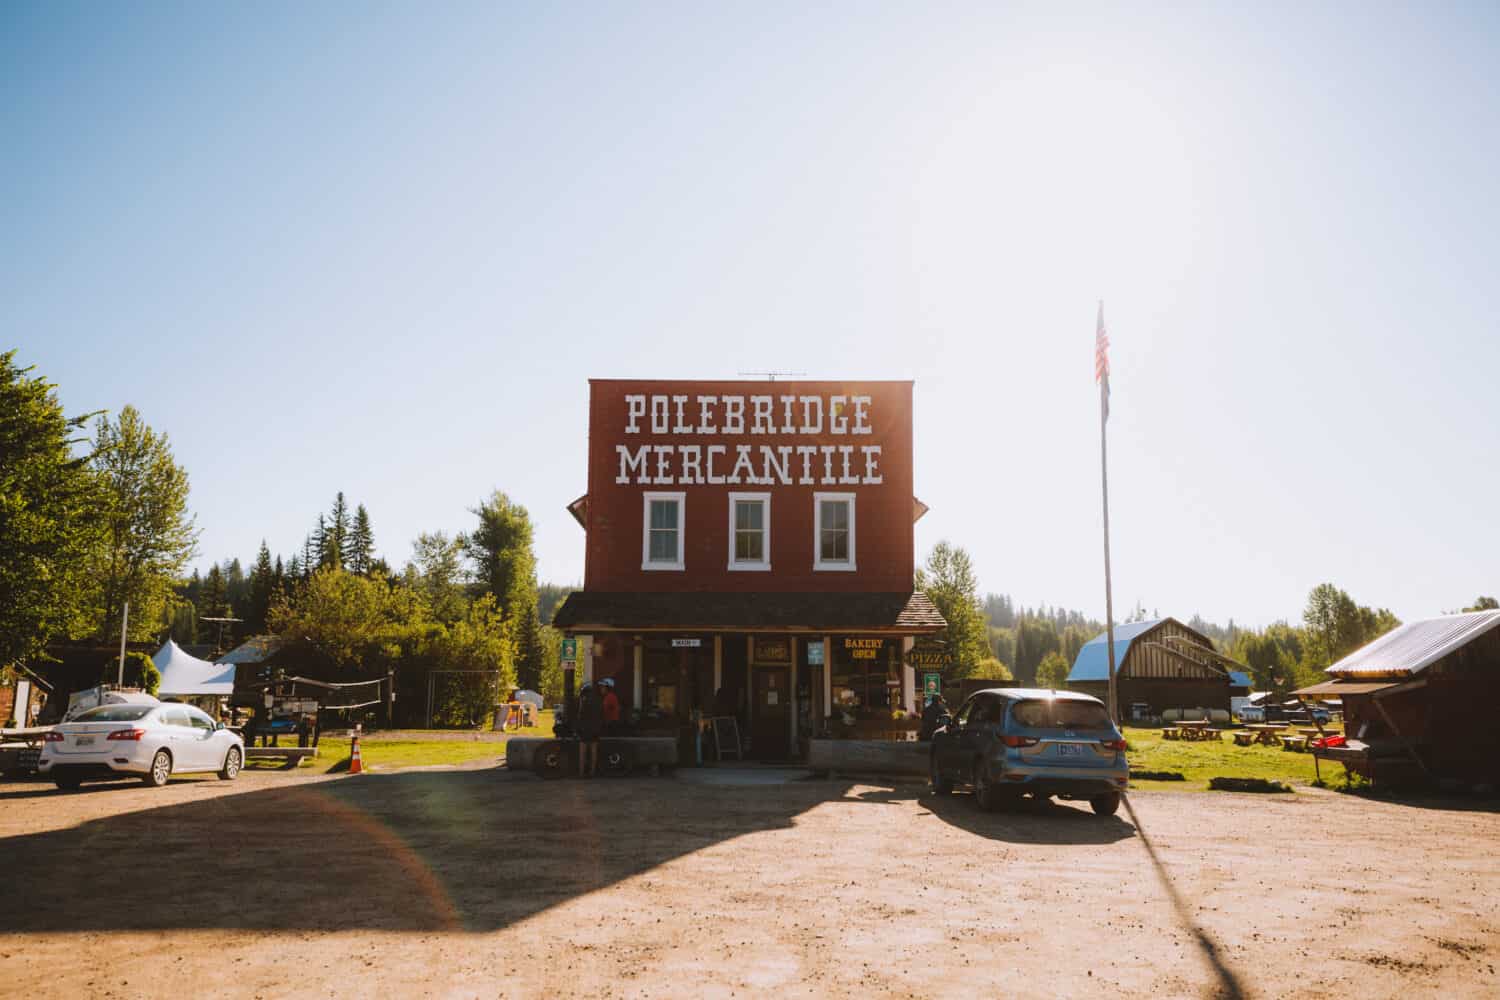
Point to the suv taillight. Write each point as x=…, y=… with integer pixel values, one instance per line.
x=126, y=734
x=1019, y=741
x=1112, y=744
x=53, y=737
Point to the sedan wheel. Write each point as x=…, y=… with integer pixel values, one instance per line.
x=231, y=769
x=161, y=769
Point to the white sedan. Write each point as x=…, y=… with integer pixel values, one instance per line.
x=151, y=742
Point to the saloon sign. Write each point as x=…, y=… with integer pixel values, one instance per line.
x=697, y=420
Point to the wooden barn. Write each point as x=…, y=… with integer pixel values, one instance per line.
x=1421, y=700
x=1159, y=665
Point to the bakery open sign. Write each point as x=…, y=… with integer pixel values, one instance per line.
x=864, y=649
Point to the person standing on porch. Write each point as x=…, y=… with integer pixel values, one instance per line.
x=611, y=708
x=590, y=725
x=936, y=709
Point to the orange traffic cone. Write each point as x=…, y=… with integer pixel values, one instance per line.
x=355, y=767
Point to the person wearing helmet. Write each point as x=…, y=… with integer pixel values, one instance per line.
x=611, y=708
x=590, y=726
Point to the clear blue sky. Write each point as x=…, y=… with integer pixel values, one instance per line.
x=381, y=249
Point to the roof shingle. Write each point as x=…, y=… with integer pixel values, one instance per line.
x=832, y=612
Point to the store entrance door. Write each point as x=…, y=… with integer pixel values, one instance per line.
x=771, y=707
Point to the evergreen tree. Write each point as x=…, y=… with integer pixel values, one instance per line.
x=336, y=541
x=214, y=602
x=262, y=586
x=321, y=550
x=294, y=570
x=236, y=587
x=49, y=519
x=361, y=542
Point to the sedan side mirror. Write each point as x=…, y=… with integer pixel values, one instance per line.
x=218, y=726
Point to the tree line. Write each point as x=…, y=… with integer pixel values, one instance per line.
x=994, y=638
x=91, y=523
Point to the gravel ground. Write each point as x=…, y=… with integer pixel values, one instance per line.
x=481, y=883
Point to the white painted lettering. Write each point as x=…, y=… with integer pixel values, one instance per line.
x=734, y=414
x=862, y=415
x=635, y=409
x=872, y=464
x=663, y=469
x=714, y=449
x=788, y=425
x=763, y=422
x=807, y=451
x=808, y=427
x=692, y=464
x=658, y=414
x=827, y=450
x=846, y=451
x=838, y=422
x=681, y=426
x=629, y=461
x=780, y=459
x=706, y=414
x=742, y=460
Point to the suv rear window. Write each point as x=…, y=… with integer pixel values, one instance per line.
x=114, y=713
x=1061, y=713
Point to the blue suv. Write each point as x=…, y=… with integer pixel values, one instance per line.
x=1010, y=742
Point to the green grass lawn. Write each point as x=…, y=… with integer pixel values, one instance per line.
x=408, y=750
x=1198, y=762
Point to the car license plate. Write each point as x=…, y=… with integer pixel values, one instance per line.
x=84, y=741
x=1070, y=750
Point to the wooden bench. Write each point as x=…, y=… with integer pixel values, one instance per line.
x=1296, y=744
x=1244, y=738
x=1171, y=733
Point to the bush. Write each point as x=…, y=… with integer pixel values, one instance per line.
x=140, y=672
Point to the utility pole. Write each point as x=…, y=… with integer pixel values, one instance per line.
x=124, y=626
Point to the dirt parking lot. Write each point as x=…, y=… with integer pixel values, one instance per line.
x=478, y=883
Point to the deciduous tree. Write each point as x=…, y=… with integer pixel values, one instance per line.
x=148, y=533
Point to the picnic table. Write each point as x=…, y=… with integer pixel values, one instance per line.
x=1267, y=732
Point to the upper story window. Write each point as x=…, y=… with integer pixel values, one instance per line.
x=661, y=532
x=750, y=531
x=833, y=531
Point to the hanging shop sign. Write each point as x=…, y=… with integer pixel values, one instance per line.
x=932, y=686
x=773, y=650
x=570, y=650
x=686, y=643
x=929, y=655
x=815, y=653
x=864, y=649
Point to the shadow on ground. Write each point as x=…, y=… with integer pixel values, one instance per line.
x=462, y=850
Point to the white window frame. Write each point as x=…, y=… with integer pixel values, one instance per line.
x=819, y=565
x=646, y=562
x=763, y=564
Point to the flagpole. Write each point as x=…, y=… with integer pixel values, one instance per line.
x=1109, y=605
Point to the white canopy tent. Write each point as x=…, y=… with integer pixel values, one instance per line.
x=184, y=675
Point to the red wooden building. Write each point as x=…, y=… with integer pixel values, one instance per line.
x=750, y=552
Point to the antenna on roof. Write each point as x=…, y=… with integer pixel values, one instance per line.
x=772, y=375
x=222, y=622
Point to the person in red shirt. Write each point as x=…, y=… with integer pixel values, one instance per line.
x=611, y=706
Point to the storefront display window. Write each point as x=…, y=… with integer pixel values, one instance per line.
x=865, y=674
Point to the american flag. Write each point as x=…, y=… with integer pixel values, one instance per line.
x=1101, y=360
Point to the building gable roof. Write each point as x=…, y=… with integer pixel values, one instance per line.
x=1092, y=663
x=1415, y=646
